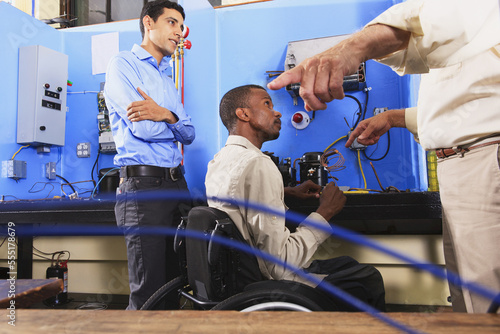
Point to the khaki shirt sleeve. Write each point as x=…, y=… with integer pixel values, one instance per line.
x=443, y=33
x=411, y=120
x=261, y=182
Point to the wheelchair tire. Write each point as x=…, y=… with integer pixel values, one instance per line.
x=270, y=299
x=170, y=289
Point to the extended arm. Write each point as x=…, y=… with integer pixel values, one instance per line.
x=261, y=184
x=321, y=76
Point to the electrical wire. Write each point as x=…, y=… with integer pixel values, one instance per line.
x=369, y=157
x=361, y=168
x=19, y=151
x=388, y=189
x=359, y=113
x=335, y=167
x=97, y=172
x=31, y=191
x=62, y=252
x=81, y=191
x=67, y=183
x=339, y=163
x=328, y=147
x=102, y=178
x=93, y=306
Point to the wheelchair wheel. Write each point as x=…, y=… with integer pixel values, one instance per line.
x=170, y=291
x=267, y=300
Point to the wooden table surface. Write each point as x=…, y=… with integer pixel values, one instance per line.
x=123, y=322
x=28, y=291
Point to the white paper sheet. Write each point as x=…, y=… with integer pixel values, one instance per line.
x=104, y=47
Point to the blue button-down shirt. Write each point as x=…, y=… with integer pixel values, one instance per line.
x=144, y=142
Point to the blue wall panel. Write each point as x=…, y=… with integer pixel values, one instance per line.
x=231, y=46
x=259, y=44
x=201, y=93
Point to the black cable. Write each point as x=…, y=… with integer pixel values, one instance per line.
x=366, y=102
x=50, y=253
x=386, y=152
x=69, y=184
x=360, y=108
x=95, y=163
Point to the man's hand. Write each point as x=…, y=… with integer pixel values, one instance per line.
x=370, y=130
x=305, y=190
x=148, y=109
x=321, y=76
x=331, y=202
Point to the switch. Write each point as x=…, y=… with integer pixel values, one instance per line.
x=50, y=170
x=300, y=120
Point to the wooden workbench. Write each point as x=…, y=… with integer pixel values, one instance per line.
x=28, y=291
x=123, y=322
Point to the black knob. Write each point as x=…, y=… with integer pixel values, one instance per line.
x=42, y=128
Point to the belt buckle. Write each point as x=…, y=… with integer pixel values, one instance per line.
x=460, y=151
x=173, y=172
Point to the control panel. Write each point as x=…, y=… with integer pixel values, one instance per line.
x=41, y=114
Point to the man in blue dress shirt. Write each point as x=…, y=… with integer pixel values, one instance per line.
x=148, y=119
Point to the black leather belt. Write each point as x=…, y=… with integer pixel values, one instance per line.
x=174, y=173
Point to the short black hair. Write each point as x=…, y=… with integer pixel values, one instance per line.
x=154, y=9
x=232, y=100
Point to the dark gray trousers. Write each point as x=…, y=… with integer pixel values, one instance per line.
x=151, y=259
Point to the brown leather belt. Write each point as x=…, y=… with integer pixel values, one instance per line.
x=174, y=173
x=448, y=152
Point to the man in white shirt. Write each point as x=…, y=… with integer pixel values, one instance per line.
x=241, y=171
x=456, y=43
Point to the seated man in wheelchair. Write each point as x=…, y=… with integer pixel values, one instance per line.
x=240, y=171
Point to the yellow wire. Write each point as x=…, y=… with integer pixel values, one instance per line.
x=326, y=149
x=176, y=68
x=361, y=169
x=18, y=151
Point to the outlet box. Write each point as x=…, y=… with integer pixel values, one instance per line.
x=355, y=145
x=83, y=150
x=50, y=170
x=14, y=169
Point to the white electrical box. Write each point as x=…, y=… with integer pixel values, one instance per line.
x=41, y=112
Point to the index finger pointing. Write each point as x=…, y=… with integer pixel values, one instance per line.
x=289, y=77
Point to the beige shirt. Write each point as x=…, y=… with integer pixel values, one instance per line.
x=457, y=44
x=240, y=171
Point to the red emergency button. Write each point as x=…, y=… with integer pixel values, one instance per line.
x=300, y=120
x=297, y=117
